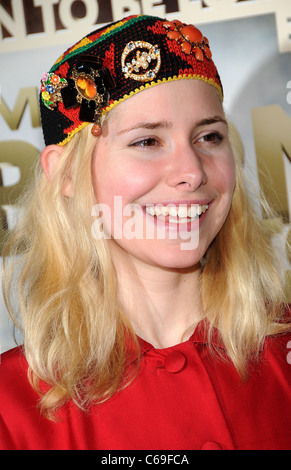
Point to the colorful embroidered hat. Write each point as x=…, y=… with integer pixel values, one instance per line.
x=113, y=63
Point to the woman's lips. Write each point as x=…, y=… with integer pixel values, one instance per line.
x=179, y=215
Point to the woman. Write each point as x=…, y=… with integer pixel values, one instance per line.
x=152, y=311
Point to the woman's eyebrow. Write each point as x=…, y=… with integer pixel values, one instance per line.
x=146, y=125
x=166, y=125
x=211, y=120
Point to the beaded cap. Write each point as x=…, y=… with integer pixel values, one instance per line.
x=113, y=63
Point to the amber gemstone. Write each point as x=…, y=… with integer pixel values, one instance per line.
x=208, y=52
x=86, y=87
x=186, y=47
x=178, y=22
x=199, y=55
x=96, y=130
x=173, y=35
x=169, y=24
x=192, y=34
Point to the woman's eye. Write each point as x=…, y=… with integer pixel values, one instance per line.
x=212, y=137
x=148, y=142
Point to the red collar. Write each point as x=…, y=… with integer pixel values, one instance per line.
x=199, y=336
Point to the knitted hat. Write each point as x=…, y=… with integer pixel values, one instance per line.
x=113, y=63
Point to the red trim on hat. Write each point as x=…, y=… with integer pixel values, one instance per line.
x=109, y=60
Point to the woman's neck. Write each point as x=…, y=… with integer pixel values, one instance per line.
x=163, y=305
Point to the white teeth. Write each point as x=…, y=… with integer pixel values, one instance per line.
x=150, y=210
x=182, y=212
x=192, y=211
x=173, y=211
x=162, y=210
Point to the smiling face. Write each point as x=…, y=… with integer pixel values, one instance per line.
x=166, y=151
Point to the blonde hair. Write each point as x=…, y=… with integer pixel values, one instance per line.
x=76, y=336
x=74, y=333
x=243, y=274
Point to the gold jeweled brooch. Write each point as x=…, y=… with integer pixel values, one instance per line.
x=147, y=58
x=88, y=87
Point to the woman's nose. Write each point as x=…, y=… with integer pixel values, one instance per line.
x=186, y=170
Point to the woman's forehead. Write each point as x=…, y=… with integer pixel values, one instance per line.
x=156, y=104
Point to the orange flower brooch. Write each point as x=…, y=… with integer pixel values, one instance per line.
x=190, y=38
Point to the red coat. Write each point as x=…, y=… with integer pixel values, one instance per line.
x=183, y=398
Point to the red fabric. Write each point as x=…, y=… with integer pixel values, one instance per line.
x=181, y=399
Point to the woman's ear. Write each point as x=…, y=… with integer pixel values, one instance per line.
x=50, y=158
